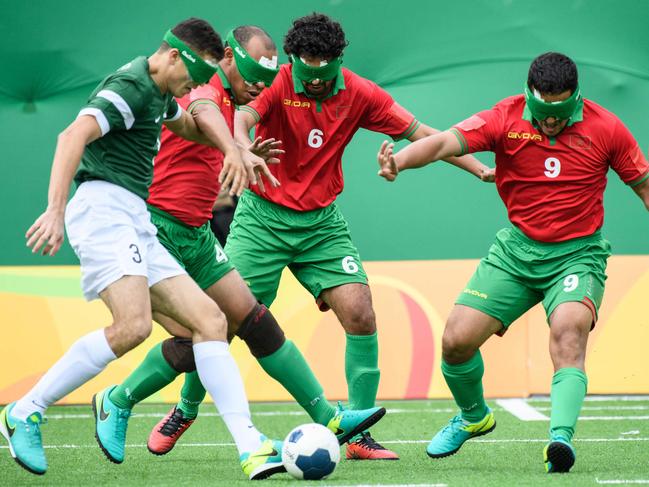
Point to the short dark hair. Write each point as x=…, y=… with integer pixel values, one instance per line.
x=200, y=36
x=315, y=35
x=552, y=73
x=244, y=33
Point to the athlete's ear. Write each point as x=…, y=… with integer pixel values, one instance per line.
x=228, y=55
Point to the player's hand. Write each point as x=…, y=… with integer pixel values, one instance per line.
x=387, y=165
x=46, y=232
x=488, y=174
x=269, y=149
x=234, y=174
x=257, y=167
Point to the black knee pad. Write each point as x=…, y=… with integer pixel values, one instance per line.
x=261, y=332
x=178, y=352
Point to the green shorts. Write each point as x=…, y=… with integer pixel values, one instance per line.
x=195, y=248
x=315, y=245
x=520, y=272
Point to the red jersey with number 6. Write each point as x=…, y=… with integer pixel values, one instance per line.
x=315, y=134
x=185, y=174
x=553, y=187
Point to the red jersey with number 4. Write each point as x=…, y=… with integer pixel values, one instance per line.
x=314, y=135
x=553, y=188
x=185, y=174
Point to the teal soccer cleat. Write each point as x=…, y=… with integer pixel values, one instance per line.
x=451, y=438
x=110, y=425
x=264, y=462
x=558, y=455
x=348, y=423
x=24, y=437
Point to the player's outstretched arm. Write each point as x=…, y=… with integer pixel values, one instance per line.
x=467, y=162
x=642, y=190
x=48, y=229
x=258, y=153
x=418, y=154
x=211, y=123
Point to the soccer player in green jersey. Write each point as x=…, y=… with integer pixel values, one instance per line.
x=110, y=147
x=552, y=182
x=181, y=198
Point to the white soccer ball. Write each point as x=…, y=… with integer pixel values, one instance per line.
x=310, y=452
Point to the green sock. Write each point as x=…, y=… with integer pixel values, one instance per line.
x=152, y=374
x=288, y=367
x=362, y=370
x=568, y=391
x=465, y=382
x=191, y=395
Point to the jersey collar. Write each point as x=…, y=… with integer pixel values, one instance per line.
x=578, y=116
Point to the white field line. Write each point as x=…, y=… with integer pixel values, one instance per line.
x=618, y=482
x=389, y=442
x=644, y=398
x=602, y=408
x=210, y=414
x=521, y=409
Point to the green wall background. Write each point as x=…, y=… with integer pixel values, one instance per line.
x=442, y=60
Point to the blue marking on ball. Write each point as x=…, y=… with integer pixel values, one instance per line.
x=316, y=465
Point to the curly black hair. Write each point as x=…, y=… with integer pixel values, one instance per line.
x=315, y=35
x=200, y=36
x=552, y=73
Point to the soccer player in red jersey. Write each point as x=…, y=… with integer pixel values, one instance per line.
x=553, y=149
x=185, y=186
x=315, y=106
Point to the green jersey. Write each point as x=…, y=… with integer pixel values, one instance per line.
x=129, y=109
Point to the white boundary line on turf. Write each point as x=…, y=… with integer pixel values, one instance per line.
x=521, y=409
x=639, y=481
x=597, y=398
x=389, y=442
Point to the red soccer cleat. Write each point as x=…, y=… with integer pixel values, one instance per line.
x=366, y=448
x=165, y=434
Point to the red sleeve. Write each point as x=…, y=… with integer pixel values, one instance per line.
x=383, y=114
x=203, y=94
x=627, y=160
x=478, y=132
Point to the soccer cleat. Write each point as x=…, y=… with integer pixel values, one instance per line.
x=366, y=448
x=110, y=425
x=165, y=434
x=264, y=462
x=347, y=423
x=24, y=437
x=558, y=455
x=450, y=438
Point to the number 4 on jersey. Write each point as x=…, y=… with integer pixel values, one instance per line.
x=220, y=255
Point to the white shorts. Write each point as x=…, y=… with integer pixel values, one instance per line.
x=111, y=232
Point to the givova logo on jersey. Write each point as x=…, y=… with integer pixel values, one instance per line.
x=297, y=103
x=524, y=136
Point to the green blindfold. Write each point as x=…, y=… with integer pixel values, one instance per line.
x=562, y=110
x=253, y=72
x=199, y=70
x=306, y=73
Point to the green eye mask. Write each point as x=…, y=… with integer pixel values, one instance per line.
x=306, y=73
x=561, y=110
x=252, y=71
x=199, y=70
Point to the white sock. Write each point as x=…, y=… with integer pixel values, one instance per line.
x=88, y=356
x=221, y=378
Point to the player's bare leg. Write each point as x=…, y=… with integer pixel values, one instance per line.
x=352, y=304
x=466, y=330
x=570, y=324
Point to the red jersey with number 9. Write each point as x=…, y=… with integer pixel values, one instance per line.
x=185, y=174
x=553, y=188
x=314, y=135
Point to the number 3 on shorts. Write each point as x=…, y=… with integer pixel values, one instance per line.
x=349, y=265
x=570, y=283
